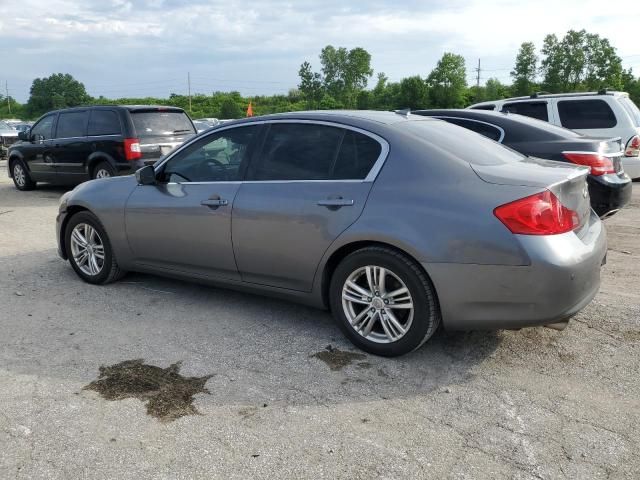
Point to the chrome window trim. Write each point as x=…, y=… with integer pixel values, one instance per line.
x=371, y=176
x=500, y=129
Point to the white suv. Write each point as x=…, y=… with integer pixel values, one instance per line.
x=603, y=114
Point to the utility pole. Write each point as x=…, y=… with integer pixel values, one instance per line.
x=478, y=76
x=189, y=86
x=6, y=87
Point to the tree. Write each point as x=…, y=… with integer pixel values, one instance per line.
x=413, y=93
x=524, y=72
x=230, y=109
x=448, y=82
x=345, y=73
x=56, y=91
x=580, y=61
x=495, y=90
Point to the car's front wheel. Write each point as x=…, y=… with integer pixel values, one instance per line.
x=383, y=301
x=21, y=178
x=89, y=250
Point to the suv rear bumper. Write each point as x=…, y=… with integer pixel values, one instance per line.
x=563, y=277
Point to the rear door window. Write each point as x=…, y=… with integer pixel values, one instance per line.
x=297, y=151
x=161, y=123
x=529, y=109
x=586, y=114
x=484, y=129
x=104, y=122
x=358, y=153
x=72, y=124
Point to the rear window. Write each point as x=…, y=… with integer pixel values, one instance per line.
x=158, y=123
x=631, y=109
x=585, y=114
x=463, y=143
x=104, y=122
x=528, y=109
x=72, y=124
x=482, y=128
x=484, y=107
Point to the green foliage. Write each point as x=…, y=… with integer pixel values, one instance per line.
x=56, y=91
x=448, y=82
x=580, y=61
x=413, y=93
x=525, y=70
x=230, y=109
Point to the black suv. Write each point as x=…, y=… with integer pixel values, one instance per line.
x=77, y=144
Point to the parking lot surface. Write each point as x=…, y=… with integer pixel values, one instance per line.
x=282, y=402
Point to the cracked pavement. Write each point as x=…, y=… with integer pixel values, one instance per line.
x=534, y=403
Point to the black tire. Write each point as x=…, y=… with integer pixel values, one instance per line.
x=426, y=312
x=23, y=181
x=110, y=271
x=103, y=170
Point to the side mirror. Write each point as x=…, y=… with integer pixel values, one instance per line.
x=146, y=175
x=24, y=135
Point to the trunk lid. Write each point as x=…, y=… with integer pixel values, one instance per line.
x=565, y=181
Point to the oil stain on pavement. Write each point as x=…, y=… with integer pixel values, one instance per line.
x=338, y=359
x=168, y=394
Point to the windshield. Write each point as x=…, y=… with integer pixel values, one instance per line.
x=631, y=109
x=161, y=123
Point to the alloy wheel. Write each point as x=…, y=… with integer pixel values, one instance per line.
x=87, y=249
x=19, y=175
x=103, y=173
x=377, y=304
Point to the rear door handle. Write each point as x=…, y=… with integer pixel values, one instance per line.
x=335, y=202
x=214, y=202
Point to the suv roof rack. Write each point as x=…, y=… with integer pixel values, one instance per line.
x=536, y=94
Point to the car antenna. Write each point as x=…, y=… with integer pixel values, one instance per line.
x=405, y=112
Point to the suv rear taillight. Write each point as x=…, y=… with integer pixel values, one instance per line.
x=132, y=149
x=539, y=214
x=633, y=147
x=598, y=164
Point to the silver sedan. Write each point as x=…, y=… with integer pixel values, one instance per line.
x=395, y=223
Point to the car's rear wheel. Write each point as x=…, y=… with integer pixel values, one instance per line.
x=21, y=178
x=89, y=250
x=383, y=301
x=103, y=170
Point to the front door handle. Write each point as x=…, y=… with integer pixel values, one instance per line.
x=335, y=203
x=214, y=202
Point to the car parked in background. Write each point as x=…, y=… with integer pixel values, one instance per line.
x=603, y=114
x=201, y=125
x=395, y=222
x=8, y=136
x=76, y=144
x=23, y=126
x=610, y=188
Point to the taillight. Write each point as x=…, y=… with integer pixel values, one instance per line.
x=598, y=164
x=633, y=147
x=132, y=149
x=539, y=214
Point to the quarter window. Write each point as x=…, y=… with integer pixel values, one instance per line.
x=43, y=127
x=72, y=124
x=529, y=109
x=298, y=152
x=585, y=114
x=358, y=154
x=104, y=122
x=217, y=158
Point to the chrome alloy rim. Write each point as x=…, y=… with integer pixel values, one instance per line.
x=19, y=175
x=377, y=304
x=87, y=249
x=102, y=173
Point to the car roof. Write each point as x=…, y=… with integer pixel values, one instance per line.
x=341, y=116
x=131, y=108
x=538, y=96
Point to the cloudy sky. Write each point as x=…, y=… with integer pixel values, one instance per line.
x=146, y=47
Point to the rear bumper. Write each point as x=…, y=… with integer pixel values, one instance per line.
x=562, y=278
x=609, y=193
